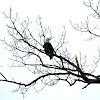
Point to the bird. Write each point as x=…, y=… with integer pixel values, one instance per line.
x=48, y=48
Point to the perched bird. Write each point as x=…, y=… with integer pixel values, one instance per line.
x=48, y=48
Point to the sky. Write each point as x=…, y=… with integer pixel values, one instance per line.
x=55, y=14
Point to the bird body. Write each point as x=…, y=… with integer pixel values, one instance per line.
x=48, y=48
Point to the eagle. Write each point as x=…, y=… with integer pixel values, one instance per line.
x=48, y=48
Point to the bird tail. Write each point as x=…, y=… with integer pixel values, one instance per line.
x=51, y=57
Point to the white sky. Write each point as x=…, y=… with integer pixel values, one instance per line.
x=55, y=13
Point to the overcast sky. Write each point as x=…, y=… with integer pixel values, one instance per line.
x=55, y=13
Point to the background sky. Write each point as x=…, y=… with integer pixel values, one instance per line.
x=55, y=14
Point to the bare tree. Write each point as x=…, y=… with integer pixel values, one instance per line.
x=94, y=16
x=27, y=50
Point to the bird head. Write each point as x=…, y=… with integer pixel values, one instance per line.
x=48, y=39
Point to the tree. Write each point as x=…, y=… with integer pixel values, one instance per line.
x=27, y=50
